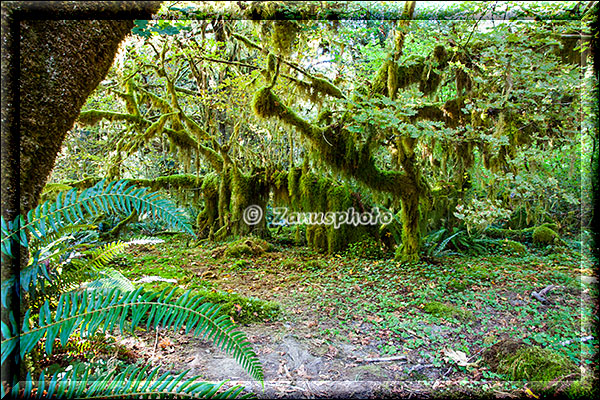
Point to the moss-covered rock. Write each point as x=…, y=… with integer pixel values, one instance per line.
x=519, y=361
x=544, y=235
x=515, y=247
x=246, y=246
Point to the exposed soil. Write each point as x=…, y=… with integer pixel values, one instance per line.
x=323, y=347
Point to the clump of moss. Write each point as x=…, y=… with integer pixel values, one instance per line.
x=247, y=246
x=264, y=103
x=284, y=34
x=515, y=247
x=242, y=309
x=544, y=235
x=533, y=363
x=500, y=350
x=441, y=310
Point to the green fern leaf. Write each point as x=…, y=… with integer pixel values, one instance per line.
x=88, y=310
x=115, y=197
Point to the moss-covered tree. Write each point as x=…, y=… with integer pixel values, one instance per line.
x=49, y=68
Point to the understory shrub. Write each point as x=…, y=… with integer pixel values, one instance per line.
x=58, y=307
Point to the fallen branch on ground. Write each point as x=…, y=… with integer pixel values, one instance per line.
x=582, y=340
x=541, y=295
x=381, y=359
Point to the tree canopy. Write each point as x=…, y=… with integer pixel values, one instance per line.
x=461, y=116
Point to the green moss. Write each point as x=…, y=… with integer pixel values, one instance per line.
x=271, y=63
x=265, y=104
x=585, y=388
x=284, y=34
x=294, y=186
x=544, y=235
x=533, y=363
x=246, y=246
x=515, y=247
x=323, y=86
x=238, y=250
x=438, y=309
x=379, y=85
x=242, y=309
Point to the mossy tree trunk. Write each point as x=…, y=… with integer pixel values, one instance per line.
x=60, y=62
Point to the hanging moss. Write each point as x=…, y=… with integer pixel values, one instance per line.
x=271, y=64
x=325, y=117
x=294, y=186
x=265, y=104
x=379, y=85
x=280, y=188
x=323, y=86
x=392, y=79
x=312, y=193
x=224, y=198
x=283, y=35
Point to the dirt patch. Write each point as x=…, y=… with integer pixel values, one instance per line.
x=291, y=364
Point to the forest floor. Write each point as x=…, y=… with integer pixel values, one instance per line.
x=360, y=328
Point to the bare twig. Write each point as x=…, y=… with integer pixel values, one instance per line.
x=155, y=343
x=381, y=359
x=418, y=367
x=582, y=340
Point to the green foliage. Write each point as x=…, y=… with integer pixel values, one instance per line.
x=109, y=301
x=367, y=247
x=533, y=363
x=72, y=208
x=133, y=382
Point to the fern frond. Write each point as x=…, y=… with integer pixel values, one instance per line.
x=71, y=208
x=92, y=309
x=109, y=278
x=61, y=234
x=445, y=242
x=101, y=256
x=131, y=383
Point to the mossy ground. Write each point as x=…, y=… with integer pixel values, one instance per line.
x=387, y=308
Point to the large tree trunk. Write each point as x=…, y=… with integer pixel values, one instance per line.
x=49, y=68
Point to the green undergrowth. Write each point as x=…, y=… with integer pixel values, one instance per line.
x=242, y=309
x=246, y=246
x=457, y=302
x=536, y=364
x=442, y=310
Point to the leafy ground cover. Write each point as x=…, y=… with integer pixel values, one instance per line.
x=379, y=321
